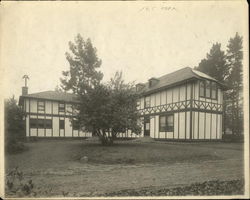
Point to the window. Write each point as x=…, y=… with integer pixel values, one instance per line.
x=147, y=102
x=61, y=107
x=163, y=123
x=167, y=123
x=33, y=123
x=208, y=89
x=170, y=123
x=202, y=88
x=75, y=125
x=41, y=106
x=61, y=124
x=213, y=90
x=41, y=123
x=48, y=123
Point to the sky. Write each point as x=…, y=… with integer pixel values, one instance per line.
x=141, y=39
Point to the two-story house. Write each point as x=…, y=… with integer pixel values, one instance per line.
x=50, y=114
x=183, y=105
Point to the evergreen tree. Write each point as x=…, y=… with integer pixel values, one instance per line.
x=234, y=94
x=84, y=62
x=215, y=63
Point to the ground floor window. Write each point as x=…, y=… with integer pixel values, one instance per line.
x=62, y=124
x=166, y=123
x=41, y=123
x=75, y=125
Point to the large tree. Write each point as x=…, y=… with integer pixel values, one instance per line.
x=215, y=63
x=84, y=63
x=234, y=94
x=104, y=109
x=109, y=109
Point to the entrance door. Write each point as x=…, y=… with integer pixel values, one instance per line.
x=147, y=126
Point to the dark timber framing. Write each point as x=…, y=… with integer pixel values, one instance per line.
x=191, y=112
x=193, y=104
x=179, y=113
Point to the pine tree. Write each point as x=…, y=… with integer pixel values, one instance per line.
x=84, y=62
x=215, y=63
x=234, y=59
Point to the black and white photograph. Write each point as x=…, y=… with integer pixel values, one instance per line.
x=124, y=99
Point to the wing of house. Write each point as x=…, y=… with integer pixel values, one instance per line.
x=183, y=105
x=50, y=114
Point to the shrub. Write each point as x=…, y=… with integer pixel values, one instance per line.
x=233, y=138
x=14, y=126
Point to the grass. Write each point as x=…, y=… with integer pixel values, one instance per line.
x=56, y=169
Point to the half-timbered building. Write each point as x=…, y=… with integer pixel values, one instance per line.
x=50, y=114
x=183, y=105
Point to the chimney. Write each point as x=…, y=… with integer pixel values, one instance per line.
x=25, y=87
x=24, y=90
x=153, y=81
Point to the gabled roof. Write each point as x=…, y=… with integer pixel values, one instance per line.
x=176, y=78
x=52, y=95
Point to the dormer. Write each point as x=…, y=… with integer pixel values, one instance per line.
x=153, y=81
x=139, y=87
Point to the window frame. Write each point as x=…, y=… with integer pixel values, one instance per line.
x=204, y=89
x=48, y=123
x=33, y=123
x=215, y=89
x=208, y=89
x=147, y=104
x=75, y=126
x=167, y=127
x=61, y=124
x=40, y=107
x=210, y=92
x=60, y=108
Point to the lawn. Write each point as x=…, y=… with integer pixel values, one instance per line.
x=56, y=169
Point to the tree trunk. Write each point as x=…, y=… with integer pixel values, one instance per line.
x=105, y=140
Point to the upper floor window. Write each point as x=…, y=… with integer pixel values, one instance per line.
x=202, y=89
x=147, y=102
x=61, y=107
x=208, y=89
x=41, y=106
x=213, y=90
